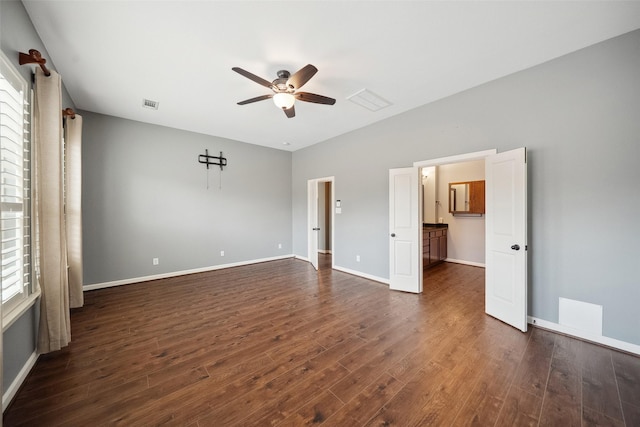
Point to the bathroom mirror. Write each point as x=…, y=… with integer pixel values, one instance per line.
x=466, y=197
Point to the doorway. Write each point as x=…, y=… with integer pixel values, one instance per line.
x=464, y=230
x=325, y=251
x=320, y=222
x=440, y=207
x=506, y=232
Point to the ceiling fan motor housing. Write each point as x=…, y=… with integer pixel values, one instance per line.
x=281, y=82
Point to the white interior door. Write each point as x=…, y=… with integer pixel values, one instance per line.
x=312, y=223
x=506, y=237
x=405, y=263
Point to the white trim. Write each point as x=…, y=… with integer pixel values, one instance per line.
x=456, y=159
x=352, y=272
x=324, y=251
x=460, y=261
x=13, y=388
x=103, y=285
x=598, y=339
x=19, y=310
x=361, y=274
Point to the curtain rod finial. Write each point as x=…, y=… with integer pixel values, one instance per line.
x=68, y=112
x=34, y=57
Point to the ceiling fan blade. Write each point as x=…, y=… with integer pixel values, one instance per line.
x=312, y=97
x=301, y=76
x=253, y=77
x=256, y=99
x=290, y=112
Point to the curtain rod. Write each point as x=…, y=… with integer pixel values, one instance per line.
x=68, y=112
x=34, y=57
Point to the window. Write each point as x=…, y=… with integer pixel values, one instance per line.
x=15, y=187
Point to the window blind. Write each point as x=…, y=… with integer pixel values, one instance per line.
x=15, y=186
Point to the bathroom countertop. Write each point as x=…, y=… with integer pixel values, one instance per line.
x=429, y=225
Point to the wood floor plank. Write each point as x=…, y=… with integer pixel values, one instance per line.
x=405, y=408
x=565, y=377
x=447, y=401
x=533, y=372
x=520, y=408
x=361, y=377
x=558, y=411
x=314, y=412
x=631, y=414
x=273, y=391
x=279, y=343
x=599, y=387
x=482, y=407
x=590, y=418
x=274, y=411
x=367, y=403
x=627, y=369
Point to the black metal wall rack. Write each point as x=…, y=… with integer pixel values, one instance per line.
x=212, y=160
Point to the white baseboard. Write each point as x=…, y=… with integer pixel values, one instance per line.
x=460, y=261
x=598, y=339
x=178, y=273
x=361, y=274
x=352, y=272
x=13, y=388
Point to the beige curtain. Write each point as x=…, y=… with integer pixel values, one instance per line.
x=51, y=273
x=73, y=171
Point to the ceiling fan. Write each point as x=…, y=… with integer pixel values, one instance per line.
x=284, y=89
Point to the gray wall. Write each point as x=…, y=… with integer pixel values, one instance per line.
x=18, y=35
x=145, y=196
x=577, y=115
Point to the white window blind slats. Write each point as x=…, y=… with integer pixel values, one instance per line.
x=15, y=186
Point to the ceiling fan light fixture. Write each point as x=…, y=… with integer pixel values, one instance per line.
x=284, y=100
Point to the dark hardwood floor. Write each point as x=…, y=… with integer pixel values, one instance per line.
x=280, y=344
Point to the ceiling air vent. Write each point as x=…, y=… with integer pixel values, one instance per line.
x=147, y=103
x=369, y=100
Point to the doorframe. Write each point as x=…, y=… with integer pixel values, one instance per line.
x=460, y=158
x=316, y=181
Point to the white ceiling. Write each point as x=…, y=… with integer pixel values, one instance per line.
x=112, y=54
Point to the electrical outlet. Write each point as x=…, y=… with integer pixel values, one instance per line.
x=221, y=253
x=156, y=261
x=279, y=245
x=357, y=258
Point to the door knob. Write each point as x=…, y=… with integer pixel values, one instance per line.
x=316, y=228
x=515, y=247
x=393, y=234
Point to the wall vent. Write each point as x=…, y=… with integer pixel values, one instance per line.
x=369, y=100
x=581, y=316
x=147, y=103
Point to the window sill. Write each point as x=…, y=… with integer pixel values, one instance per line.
x=10, y=318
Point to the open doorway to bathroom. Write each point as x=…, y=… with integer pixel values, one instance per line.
x=450, y=238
